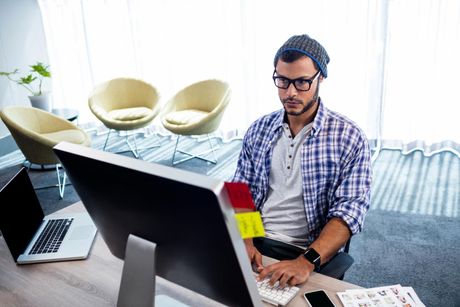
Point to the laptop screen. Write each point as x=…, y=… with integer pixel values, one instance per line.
x=20, y=213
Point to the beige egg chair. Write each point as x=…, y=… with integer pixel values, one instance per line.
x=125, y=104
x=36, y=132
x=196, y=110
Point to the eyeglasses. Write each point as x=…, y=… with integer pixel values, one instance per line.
x=300, y=84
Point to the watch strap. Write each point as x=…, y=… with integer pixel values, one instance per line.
x=313, y=257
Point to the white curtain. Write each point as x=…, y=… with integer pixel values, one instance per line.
x=422, y=67
x=393, y=67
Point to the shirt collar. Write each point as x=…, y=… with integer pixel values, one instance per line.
x=320, y=118
x=278, y=123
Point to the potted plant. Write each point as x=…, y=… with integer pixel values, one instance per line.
x=38, y=72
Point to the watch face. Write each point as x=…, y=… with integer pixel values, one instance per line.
x=312, y=256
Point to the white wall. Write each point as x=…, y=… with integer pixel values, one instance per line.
x=22, y=43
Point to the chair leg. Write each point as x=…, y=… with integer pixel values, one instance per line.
x=175, y=150
x=133, y=146
x=132, y=149
x=135, y=149
x=61, y=178
x=154, y=145
x=195, y=155
x=212, y=148
x=107, y=139
x=61, y=181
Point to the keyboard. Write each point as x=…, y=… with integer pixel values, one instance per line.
x=274, y=294
x=51, y=237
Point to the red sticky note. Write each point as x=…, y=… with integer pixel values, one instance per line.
x=239, y=194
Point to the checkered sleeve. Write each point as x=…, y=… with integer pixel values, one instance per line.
x=253, y=160
x=352, y=196
x=244, y=169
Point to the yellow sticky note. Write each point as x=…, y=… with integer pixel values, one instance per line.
x=250, y=224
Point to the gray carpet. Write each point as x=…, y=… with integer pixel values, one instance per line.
x=412, y=231
x=410, y=235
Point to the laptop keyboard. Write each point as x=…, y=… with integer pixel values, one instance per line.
x=274, y=294
x=51, y=237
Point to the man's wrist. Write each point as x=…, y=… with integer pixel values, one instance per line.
x=306, y=264
x=248, y=242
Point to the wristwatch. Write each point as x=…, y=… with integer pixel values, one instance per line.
x=313, y=257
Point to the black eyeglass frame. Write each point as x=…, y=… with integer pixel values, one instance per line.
x=289, y=81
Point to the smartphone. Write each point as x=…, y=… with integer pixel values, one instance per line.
x=318, y=298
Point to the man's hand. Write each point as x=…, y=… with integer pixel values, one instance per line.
x=288, y=272
x=255, y=257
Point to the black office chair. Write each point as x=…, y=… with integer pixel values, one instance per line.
x=338, y=265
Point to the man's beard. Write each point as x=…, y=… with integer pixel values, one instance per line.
x=307, y=106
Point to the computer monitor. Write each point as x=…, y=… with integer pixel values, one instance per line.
x=188, y=216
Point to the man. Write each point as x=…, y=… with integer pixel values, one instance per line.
x=308, y=169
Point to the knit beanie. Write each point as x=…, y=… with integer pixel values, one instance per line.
x=308, y=46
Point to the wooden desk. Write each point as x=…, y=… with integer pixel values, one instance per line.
x=95, y=281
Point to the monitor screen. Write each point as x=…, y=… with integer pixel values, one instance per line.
x=187, y=215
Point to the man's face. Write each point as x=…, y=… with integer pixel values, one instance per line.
x=293, y=100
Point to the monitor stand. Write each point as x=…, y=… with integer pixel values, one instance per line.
x=137, y=286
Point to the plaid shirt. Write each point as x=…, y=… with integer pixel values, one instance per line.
x=336, y=168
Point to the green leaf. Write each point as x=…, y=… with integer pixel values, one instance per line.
x=27, y=80
x=41, y=69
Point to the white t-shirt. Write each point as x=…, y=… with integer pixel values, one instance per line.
x=283, y=213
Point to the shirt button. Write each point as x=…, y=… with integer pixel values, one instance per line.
x=292, y=145
x=288, y=167
x=290, y=136
x=290, y=156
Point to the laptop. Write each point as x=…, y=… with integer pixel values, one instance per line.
x=30, y=236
